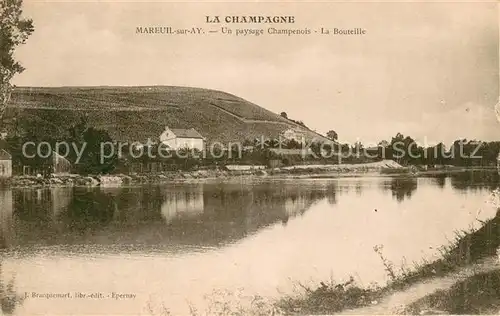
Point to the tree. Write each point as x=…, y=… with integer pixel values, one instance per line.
x=14, y=31
x=90, y=140
x=92, y=162
x=283, y=114
x=332, y=135
x=383, y=143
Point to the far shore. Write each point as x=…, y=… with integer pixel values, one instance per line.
x=293, y=172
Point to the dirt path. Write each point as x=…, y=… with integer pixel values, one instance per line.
x=395, y=303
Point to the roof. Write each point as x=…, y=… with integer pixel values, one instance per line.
x=5, y=155
x=58, y=157
x=186, y=133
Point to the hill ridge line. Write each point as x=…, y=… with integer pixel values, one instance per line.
x=245, y=120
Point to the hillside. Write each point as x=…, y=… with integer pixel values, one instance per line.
x=138, y=113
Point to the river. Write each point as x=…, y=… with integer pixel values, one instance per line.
x=181, y=245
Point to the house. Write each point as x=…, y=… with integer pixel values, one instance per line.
x=177, y=138
x=294, y=134
x=5, y=164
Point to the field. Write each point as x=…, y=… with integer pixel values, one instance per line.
x=138, y=113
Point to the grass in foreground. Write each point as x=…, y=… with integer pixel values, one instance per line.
x=330, y=298
x=479, y=294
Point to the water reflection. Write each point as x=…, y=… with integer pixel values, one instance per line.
x=182, y=203
x=209, y=214
x=6, y=225
x=185, y=240
x=401, y=187
x=473, y=180
x=89, y=210
x=440, y=180
x=9, y=298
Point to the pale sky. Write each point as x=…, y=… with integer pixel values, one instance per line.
x=428, y=70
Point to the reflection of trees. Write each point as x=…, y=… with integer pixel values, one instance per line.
x=359, y=187
x=331, y=193
x=402, y=188
x=9, y=299
x=89, y=209
x=6, y=227
x=3, y=242
x=138, y=205
x=440, y=180
x=475, y=180
x=33, y=205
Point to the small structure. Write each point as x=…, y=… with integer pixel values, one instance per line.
x=5, y=164
x=60, y=165
x=286, y=157
x=294, y=134
x=177, y=138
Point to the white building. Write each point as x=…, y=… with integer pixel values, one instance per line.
x=5, y=164
x=177, y=138
x=295, y=134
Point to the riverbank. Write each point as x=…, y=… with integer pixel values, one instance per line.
x=295, y=172
x=385, y=168
x=466, y=267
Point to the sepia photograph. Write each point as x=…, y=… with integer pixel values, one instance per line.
x=249, y=157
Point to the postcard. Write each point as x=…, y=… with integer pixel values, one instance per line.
x=249, y=157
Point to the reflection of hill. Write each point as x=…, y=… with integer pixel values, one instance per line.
x=204, y=214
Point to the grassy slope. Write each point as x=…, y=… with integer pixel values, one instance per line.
x=136, y=113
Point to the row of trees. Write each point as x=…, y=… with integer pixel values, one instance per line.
x=462, y=152
x=84, y=150
x=405, y=150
